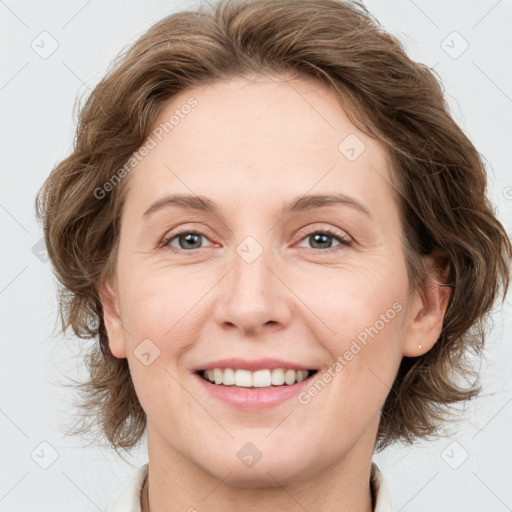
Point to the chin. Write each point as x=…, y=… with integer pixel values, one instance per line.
x=266, y=475
x=271, y=470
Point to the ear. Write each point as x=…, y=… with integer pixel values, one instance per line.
x=428, y=307
x=110, y=302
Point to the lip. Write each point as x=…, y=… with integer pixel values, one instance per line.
x=253, y=365
x=253, y=398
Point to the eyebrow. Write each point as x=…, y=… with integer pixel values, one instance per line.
x=302, y=203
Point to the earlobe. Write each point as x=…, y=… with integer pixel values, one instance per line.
x=112, y=319
x=428, y=309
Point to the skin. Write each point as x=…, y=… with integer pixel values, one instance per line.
x=252, y=145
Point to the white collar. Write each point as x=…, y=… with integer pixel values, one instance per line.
x=129, y=498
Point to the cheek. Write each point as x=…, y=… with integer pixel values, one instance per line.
x=160, y=323
x=357, y=303
x=159, y=302
x=155, y=311
x=363, y=316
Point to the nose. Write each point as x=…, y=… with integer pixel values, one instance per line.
x=252, y=297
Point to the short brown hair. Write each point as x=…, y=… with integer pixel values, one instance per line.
x=440, y=177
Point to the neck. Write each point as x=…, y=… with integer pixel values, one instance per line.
x=176, y=484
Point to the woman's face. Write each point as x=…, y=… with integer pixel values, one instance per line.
x=254, y=282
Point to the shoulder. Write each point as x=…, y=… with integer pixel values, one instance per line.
x=128, y=500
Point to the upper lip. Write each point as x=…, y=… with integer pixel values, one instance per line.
x=253, y=365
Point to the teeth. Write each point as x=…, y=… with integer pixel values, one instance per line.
x=242, y=378
x=261, y=379
x=257, y=379
x=228, y=378
x=289, y=376
x=217, y=375
x=277, y=377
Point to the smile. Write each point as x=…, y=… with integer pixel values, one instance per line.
x=257, y=389
x=265, y=378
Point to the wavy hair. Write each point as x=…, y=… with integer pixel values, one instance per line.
x=438, y=173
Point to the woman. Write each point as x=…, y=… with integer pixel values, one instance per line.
x=283, y=243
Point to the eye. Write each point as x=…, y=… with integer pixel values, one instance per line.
x=322, y=238
x=186, y=240
x=190, y=240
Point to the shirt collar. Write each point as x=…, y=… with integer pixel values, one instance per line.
x=380, y=490
x=129, y=498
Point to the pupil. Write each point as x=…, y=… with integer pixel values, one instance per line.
x=321, y=238
x=189, y=239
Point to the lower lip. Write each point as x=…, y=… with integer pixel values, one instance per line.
x=253, y=398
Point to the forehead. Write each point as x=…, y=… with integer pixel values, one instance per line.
x=257, y=135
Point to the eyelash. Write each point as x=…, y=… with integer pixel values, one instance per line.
x=344, y=242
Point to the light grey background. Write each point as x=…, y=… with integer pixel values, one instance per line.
x=37, y=98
